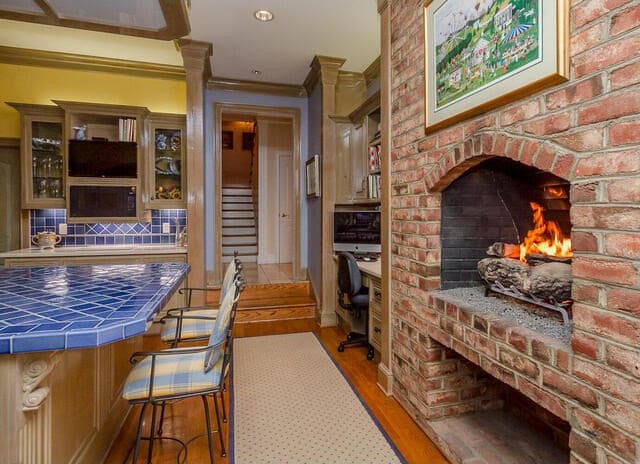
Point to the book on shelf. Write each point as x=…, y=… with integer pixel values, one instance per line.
x=127, y=129
x=373, y=182
x=374, y=157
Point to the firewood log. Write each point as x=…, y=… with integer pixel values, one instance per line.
x=549, y=281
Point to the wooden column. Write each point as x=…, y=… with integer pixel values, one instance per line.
x=198, y=70
x=385, y=376
x=327, y=69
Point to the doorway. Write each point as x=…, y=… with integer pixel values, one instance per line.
x=269, y=204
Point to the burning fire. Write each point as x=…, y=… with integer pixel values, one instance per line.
x=545, y=238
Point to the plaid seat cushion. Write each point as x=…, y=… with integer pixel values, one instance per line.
x=175, y=374
x=191, y=328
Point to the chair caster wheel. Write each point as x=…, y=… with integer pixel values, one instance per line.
x=370, y=355
x=340, y=348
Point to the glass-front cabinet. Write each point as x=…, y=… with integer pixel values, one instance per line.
x=166, y=171
x=42, y=153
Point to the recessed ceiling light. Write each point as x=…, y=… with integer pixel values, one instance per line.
x=257, y=72
x=263, y=15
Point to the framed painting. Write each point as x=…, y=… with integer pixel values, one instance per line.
x=227, y=140
x=313, y=177
x=481, y=54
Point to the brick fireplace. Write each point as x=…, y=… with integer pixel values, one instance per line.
x=453, y=358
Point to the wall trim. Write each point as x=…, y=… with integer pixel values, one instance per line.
x=268, y=88
x=9, y=142
x=49, y=59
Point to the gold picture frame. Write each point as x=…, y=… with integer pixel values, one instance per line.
x=477, y=59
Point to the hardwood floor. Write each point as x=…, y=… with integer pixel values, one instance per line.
x=185, y=419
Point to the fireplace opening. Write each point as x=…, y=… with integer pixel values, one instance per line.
x=492, y=203
x=508, y=427
x=507, y=226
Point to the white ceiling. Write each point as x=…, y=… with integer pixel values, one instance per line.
x=281, y=49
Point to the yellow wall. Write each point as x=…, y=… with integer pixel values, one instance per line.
x=31, y=84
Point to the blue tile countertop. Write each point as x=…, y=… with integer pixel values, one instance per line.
x=65, y=307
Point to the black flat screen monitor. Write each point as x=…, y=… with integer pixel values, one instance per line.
x=356, y=231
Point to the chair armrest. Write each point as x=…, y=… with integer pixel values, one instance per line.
x=139, y=355
x=171, y=313
x=189, y=291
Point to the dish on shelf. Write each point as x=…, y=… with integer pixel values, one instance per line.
x=167, y=165
x=175, y=143
x=40, y=143
x=161, y=142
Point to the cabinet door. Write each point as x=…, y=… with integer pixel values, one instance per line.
x=359, y=164
x=343, y=163
x=167, y=176
x=42, y=162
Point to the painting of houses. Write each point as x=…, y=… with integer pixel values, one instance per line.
x=481, y=42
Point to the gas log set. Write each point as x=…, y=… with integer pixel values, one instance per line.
x=536, y=271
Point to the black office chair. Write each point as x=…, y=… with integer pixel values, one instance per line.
x=350, y=285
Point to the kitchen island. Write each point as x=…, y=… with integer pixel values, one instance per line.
x=66, y=334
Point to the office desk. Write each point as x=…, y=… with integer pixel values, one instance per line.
x=371, y=277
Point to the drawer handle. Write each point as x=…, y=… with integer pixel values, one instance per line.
x=377, y=294
x=377, y=329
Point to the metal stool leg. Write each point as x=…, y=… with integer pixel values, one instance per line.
x=153, y=429
x=208, y=420
x=223, y=452
x=136, y=447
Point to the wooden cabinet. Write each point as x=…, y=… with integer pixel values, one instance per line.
x=166, y=177
x=358, y=154
x=43, y=156
x=79, y=155
x=105, y=162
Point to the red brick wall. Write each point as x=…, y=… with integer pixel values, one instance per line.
x=587, y=131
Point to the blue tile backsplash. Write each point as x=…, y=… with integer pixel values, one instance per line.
x=111, y=234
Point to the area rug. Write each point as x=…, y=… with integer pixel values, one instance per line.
x=291, y=404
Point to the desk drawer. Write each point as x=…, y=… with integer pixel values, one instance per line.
x=375, y=332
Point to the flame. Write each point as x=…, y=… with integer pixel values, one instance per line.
x=545, y=238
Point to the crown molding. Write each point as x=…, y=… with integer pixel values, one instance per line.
x=282, y=90
x=319, y=65
x=373, y=71
x=48, y=59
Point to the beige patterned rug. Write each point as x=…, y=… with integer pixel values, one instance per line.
x=291, y=404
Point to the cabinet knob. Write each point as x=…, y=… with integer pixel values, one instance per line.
x=377, y=329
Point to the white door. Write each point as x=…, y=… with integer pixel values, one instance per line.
x=285, y=205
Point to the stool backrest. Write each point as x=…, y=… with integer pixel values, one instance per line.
x=233, y=269
x=222, y=324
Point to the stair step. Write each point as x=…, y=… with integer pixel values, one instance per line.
x=237, y=207
x=243, y=240
x=246, y=304
x=237, y=214
x=237, y=222
x=280, y=292
x=246, y=258
x=237, y=230
x=236, y=191
x=237, y=199
x=241, y=249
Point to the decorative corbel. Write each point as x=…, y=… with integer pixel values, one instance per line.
x=34, y=372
